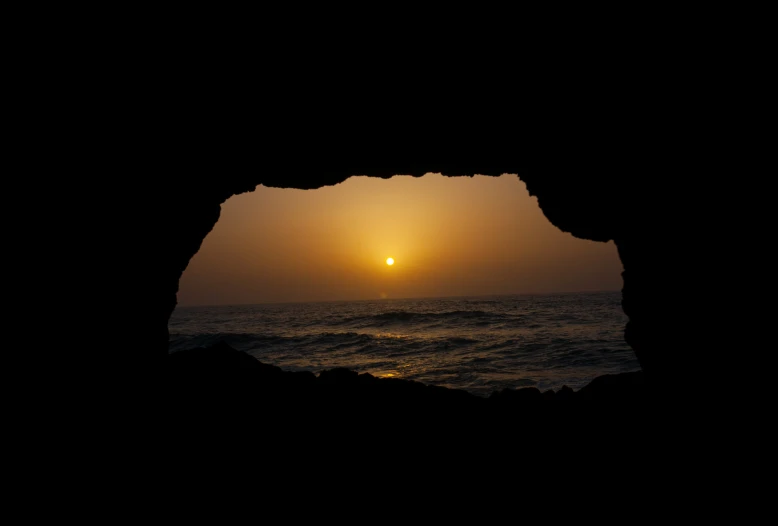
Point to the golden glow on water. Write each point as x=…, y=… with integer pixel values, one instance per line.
x=389, y=261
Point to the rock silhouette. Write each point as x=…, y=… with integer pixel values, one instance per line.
x=597, y=208
x=602, y=176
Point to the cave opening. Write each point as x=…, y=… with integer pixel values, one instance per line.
x=484, y=293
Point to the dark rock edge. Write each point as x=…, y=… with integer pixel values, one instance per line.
x=223, y=380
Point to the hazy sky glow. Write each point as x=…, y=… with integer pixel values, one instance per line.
x=448, y=236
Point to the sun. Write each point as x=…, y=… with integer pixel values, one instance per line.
x=389, y=261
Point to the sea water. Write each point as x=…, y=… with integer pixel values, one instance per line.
x=477, y=344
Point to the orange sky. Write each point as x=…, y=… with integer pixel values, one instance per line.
x=449, y=236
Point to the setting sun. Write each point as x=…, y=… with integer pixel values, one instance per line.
x=389, y=261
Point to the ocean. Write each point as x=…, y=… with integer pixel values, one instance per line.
x=477, y=344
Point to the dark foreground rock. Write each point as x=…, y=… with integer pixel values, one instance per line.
x=222, y=384
x=230, y=417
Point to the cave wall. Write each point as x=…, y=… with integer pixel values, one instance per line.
x=600, y=208
x=606, y=167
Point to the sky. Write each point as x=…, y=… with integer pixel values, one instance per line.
x=448, y=236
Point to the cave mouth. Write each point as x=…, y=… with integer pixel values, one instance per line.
x=485, y=292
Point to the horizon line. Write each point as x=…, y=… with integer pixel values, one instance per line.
x=403, y=298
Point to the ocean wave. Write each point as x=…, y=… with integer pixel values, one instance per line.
x=502, y=345
x=179, y=342
x=332, y=341
x=466, y=344
x=410, y=317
